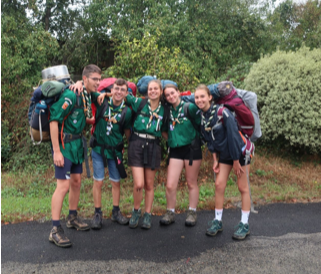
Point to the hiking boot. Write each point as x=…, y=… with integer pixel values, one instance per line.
x=168, y=218
x=147, y=221
x=119, y=218
x=133, y=222
x=215, y=226
x=57, y=236
x=97, y=221
x=73, y=221
x=191, y=218
x=242, y=231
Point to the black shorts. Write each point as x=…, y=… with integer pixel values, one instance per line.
x=136, y=152
x=230, y=162
x=183, y=153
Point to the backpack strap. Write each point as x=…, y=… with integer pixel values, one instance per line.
x=143, y=102
x=188, y=115
x=101, y=112
x=121, y=122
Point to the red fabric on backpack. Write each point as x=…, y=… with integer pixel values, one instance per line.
x=107, y=84
x=243, y=114
x=133, y=87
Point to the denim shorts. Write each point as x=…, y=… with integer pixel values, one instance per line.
x=63, y=173
x=99, y=170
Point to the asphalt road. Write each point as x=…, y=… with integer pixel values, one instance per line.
x=285, y=238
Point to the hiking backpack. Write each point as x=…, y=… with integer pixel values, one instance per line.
x=38, y=113
x=244, y=105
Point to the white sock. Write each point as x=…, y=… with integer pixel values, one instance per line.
x=245, y=217
x=171, y=209
x=194, y=209
x=218, y=214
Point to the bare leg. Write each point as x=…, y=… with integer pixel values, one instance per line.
x=139, y=181
x=74, y=192
x=173, y=172
x=191, y=178
x=149, y=189
x=220, y=184
x=58, y=198
x=244, y=189
x=97, y=193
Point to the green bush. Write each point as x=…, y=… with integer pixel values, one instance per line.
x=288, y=85
x=134, y=59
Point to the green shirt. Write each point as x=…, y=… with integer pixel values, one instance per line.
x=181, y=131
x=103, y=126
x=74, y=124
x=142, y=120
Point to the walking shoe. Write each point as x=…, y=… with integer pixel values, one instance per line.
x=133, y=222
x=97, y=221
x=215, y=226
x=242, y=231
x=147, y=221
x=191, y=218
x=73, y=221
x=168, y=218
x=57, y=236
x=119, y=218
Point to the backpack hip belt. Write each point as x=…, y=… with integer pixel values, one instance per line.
x=119, y=147
x=68, y=137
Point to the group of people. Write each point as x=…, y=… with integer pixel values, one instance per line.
x=144, y=121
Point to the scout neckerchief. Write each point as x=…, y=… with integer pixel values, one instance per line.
x=207, y=124
x=154, y=115
x=111, y=112
x=87, y=103
x=176, y=120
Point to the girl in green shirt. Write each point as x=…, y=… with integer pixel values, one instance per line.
x=185, y=151
x=144, y=151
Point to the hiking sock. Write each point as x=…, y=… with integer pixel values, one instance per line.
x=194, y=209
x=72, y=212
x=116, y=208
x=245, y=217
x=218, y=214
x=136, y=210
x=56, y=223
x=97, y=209
x=171, y=209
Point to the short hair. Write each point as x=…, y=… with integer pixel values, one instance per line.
x=89, y=69
x=121, y=82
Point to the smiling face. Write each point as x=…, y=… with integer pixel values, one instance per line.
x=92, y=81
x=154, y=90
x=172, y=96
x=202, y=99
x=118, y=93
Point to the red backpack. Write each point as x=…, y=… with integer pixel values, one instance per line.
x=243, y=114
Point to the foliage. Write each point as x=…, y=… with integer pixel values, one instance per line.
x=5, y=141
x=289, y=97
x=137, y=58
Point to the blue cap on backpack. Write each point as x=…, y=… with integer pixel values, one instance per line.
x=214, y=91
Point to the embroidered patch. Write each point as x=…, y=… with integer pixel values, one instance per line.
x=69, y=101
x=65, y=105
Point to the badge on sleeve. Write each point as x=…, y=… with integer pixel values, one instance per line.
x=65, y=105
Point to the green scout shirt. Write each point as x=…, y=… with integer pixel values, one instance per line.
x=142, y=119
x=74, y=124
x=115, y=136
x=183, y=132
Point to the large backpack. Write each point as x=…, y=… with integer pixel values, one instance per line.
x=38, y=113
x=244, y=105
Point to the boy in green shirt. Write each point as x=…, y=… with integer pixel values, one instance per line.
x=67, y=121
x=113, y=119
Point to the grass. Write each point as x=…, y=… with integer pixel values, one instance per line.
x=27, y=196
